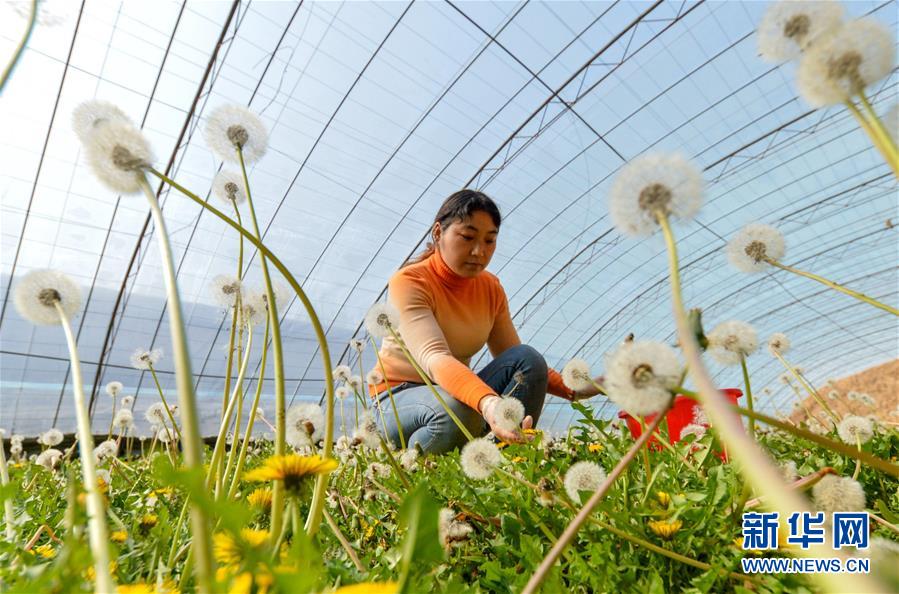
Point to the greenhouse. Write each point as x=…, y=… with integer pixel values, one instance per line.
x=462, y=296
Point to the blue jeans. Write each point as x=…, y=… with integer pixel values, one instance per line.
x=426, y=423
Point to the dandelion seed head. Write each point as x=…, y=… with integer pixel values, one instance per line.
x=583, y=476
x=145, y=358
x=451, y=531
x=754, y=243
x=38, y=293
x=376, y=469
x=113, y=388
x=357, y=344
x=124, y=419
x=693, y=429
x=228, y=186
x=90, y=114
x=508, y=414
x=233, y=126
x=341, y=392
x=253, y=310
x=226, y=290
x=779, y=343
x=51, y=437
x=641, y=376
x=49, y=458
x=843, y=62
x=838, y=493
x=789, y=27
x=106, y=450
x=479, y=457
x=853, y=428
x=355, y=382
x=576, y=375
x=409, y=459
x=788, y=471
x=729, y=341
x=342, y=373
x=118, y=153
x=374, y=377
x=155, y=414
x=127, y=401
x=381, y=318
x=305, y=424
x=367, y=431
x=666, y=183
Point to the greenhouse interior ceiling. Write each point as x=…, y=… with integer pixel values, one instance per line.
x=376, y=112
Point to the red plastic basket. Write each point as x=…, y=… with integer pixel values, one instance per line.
x=681, y=414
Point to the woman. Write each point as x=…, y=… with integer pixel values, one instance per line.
x=449, y=307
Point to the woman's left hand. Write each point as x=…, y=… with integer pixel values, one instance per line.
x=487, y=410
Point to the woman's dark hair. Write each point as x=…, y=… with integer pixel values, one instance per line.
x=459, y=207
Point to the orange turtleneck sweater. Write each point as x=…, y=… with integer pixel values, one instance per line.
x=445, y=319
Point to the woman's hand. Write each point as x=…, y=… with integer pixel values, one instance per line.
x=597, y=387
x=487, y=409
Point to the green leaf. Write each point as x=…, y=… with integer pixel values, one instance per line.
x=419, y=516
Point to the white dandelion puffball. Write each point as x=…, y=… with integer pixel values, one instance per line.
x=90, y=114
x=145, y=358
x=693, y=429
x=508, y=414
x=750, y=247
x=123, y=419
x=156, y=414
x=355, y=382
x=789, y=27
x=854, y=428
x=253, y=310
x=479, y=458
x=104, y=476
x=779, y=343
x=51, y=437
x=451, y=531
x=341, y=392
x=641, y=375
x=666, y=183
x=127, y=401
x=113, y=388
x=39, y=291
x=118, y=154
x=729, y=341
x=409, y=459
x=228, y=186
x=374, y=377
x=232, y=126
x=357, y=344
x=342, y=373
x=842, y=63
x=367, y=431
x=106, y=450
x=49, y=458
x=226, y=290
x=838, y=493
x=576, y=375
x=583, y=476
x=381, y=318
x=165, y=435
x=282, y=293
x=788, y=471
x=305, y=424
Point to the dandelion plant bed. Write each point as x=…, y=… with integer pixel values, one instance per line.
x=673, y=530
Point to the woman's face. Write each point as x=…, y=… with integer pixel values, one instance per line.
x=467, y=246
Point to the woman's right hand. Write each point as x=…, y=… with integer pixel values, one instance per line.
x=488, y=407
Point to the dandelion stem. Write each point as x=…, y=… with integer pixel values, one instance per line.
x=96, y=512
x=396, y=414
x=808, y=388
x=835, y=286
x=168, y=409
x=748, y=387
x=427, y=381
x=252, y=418
x=8, y=513
x=20, y=49
x=753, y=463
x=343, y=541
x=858, y=461
x=193, y=448
x=314, y=517
x=571, y=531
x=878, y=133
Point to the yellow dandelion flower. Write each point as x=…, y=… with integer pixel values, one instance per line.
x=261, y=498
x=531, y=431
x=118, y=536
x=230, y=551
x=594, y=447
x=663, y=497
x=89, y=573
x=149, y=520
x=244, y=582
x=501, y=445
x=164, y=491
x=45, y=550
x=291, y=469
x=102, y=486
x=517, y=459
x=135, y=589
x=665, y=529
x=369, y=588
